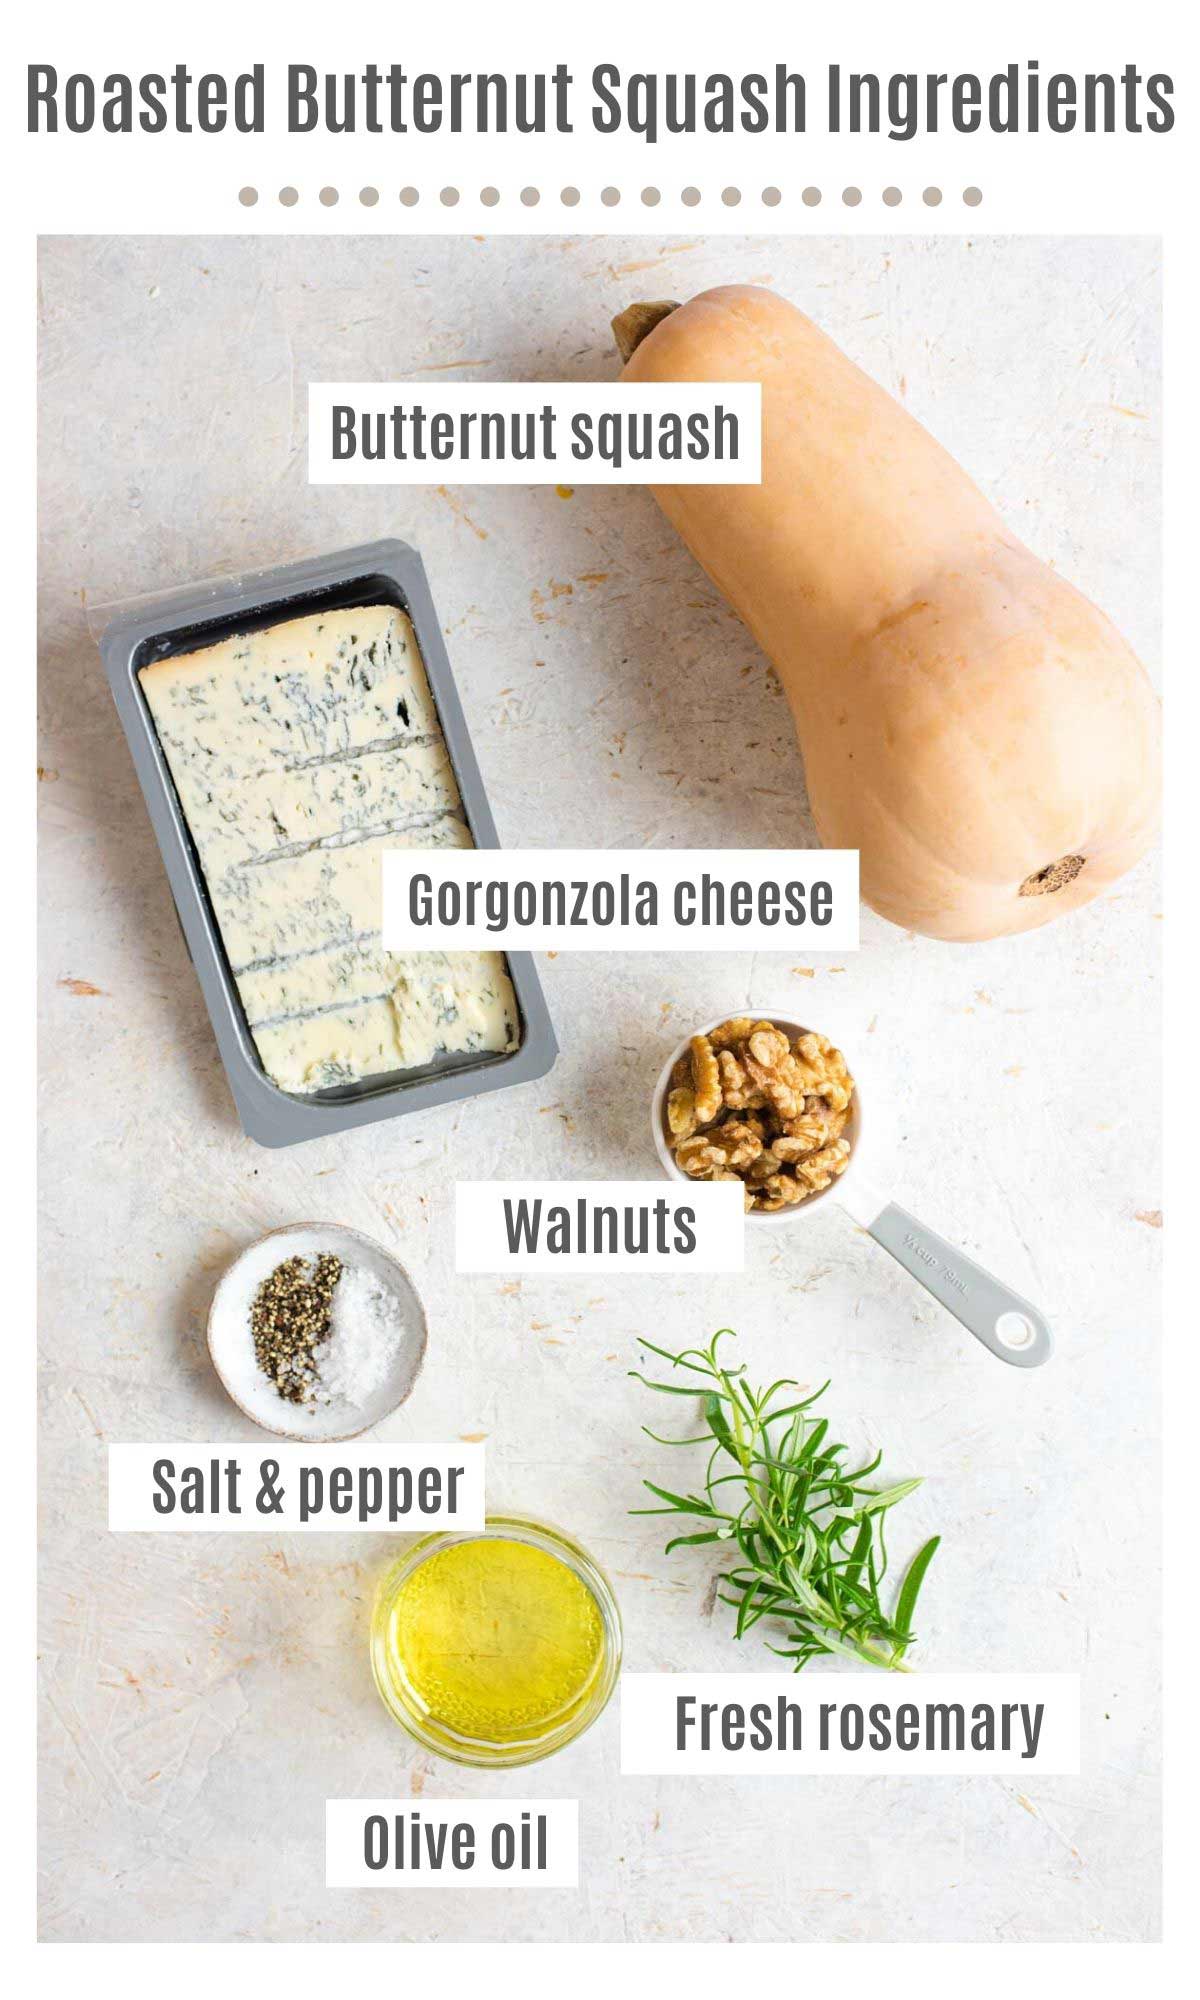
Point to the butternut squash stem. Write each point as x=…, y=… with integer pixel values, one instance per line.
x=631, y=326
x=1048, y=881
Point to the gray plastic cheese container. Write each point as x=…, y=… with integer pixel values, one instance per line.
x=387, y=572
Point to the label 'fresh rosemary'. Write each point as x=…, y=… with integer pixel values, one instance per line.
x=809, y=1532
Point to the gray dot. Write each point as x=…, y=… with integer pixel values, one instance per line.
x=731, y=196
x=328, y=197
x=892, y=197
x=772, y=197
x=690, y=197
x=851, y=196
x=368, y=196
x=651, y=197
x=489, y=196
x=530, y=197
x=811, y=197
x=569, y=197
x=931, y=197
x=449, y=197
x=288, y=197
x=409, y=197
x=248, y=197
x=972, y=197
x=610, y=196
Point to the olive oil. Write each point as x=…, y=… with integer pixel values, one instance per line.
x=495, y=1647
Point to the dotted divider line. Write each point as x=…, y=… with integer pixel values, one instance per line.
x=611, y=197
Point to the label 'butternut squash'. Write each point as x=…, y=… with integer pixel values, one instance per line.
x=969, y=721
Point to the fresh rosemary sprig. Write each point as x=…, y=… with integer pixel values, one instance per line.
x=810, y=1533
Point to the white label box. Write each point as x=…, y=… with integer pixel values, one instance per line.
x=784, y=1725
x=279, y=1487
x=621, y=899
x=451, y=1843
x=534, y=433
x=561, y=1227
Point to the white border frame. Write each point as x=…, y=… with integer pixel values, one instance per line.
x=1140, y=184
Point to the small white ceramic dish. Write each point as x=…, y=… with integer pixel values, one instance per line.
x=1007, y=1325
x=232, y=1347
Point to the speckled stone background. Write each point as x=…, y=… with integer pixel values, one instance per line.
x=202, y=1697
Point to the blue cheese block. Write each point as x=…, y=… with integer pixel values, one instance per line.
x=444, y=1010
x=302, y=902
x=275, y=811
x=300, y=755
x=316, y=687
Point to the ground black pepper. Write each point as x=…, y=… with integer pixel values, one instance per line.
x=290, y=1316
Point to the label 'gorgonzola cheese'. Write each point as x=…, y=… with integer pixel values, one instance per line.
x=300, y=753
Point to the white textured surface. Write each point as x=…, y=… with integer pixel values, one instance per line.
x=202, y=1699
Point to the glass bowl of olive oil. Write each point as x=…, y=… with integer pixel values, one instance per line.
x=498, y=1647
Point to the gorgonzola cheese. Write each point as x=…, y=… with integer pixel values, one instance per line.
x=300, y=754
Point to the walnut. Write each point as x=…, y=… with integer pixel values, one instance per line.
x=840, y=1119
x=769, y=1046
x=782, y=1191
x=731, y=1032
x=681, y=1113
x=816, y=1126
x=706, y=1079
x=791, y=1146
x=707, y=1155
x=699, y=1157
x=778, y=1079
x=736, y=1088
x=739, y=1140
x=823, y=1167
x=823, y=1069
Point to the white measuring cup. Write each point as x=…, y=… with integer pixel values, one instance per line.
x=1007, y=1325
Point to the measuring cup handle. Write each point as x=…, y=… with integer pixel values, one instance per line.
x=1009, y=1327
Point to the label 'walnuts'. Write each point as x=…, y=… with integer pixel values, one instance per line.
x=746, y=1103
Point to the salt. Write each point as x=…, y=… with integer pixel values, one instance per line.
x=367, y=1329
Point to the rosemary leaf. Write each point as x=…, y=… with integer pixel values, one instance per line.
x=906, y=1603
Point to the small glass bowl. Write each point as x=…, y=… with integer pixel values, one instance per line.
x=440, y=1737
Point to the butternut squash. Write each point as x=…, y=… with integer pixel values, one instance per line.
x=969, y=721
